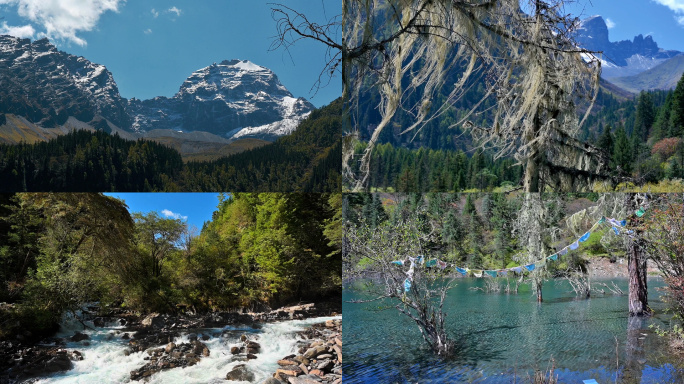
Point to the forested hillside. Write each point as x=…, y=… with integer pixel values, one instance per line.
x=642, y=138
x=476, y=230
x=60, y=251
x=308, y=160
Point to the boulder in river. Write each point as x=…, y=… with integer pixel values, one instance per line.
x=78, y=336
x=240, y=373
x=153, y=320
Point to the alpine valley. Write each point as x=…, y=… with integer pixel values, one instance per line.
x=639, y=111
x=45, y=92
x=233, y=120
x=634, y=65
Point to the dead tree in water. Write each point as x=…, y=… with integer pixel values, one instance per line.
x=390, y=259
x=636, y=262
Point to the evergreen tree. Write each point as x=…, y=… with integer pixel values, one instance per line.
x=645, y=116
x=677, y=113
x=622, y=152
x=605, y=142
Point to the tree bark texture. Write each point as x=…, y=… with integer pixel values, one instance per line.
x=636, y=254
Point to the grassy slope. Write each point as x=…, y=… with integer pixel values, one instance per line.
x=663, y=76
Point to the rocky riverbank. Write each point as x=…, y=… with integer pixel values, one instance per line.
x=319, y=359
x=22, y=358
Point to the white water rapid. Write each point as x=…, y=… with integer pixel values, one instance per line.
x=105, y=361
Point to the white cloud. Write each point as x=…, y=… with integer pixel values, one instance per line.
x=173, y=215
x=675, y=5
x=174, y=10
x=24, y=31
x=155, y=13
x=147, y=31
x=610, y=23
x=63, y=19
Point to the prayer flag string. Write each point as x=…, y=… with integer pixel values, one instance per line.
x=618, y=227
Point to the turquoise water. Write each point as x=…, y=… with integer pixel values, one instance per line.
x=505, y=338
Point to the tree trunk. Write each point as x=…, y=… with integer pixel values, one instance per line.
x=638, y=289
x=634, y=351
x=531, y=180
x=538, y=283
x=636, y=264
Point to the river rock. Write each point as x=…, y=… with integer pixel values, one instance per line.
x=234, y=350
x=78, y=336
x=169, y=347
x=307, y=379
x=315, y=351
x=320, y=359
x=325, y=365
x=240, y=373
x=271, y=380
x=153, y=320
x=290, y=370
x=286, y=362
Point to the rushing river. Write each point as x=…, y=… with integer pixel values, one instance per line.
x=105, y=361
x=504, y=338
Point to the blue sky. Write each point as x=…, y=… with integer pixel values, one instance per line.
x=662, y=19
x=194, y=208
x=152, y=46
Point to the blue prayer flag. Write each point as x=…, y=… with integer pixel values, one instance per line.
x=516, y=269
x=563, y=252
x=623, y=223
x=462, y=271
x=590, y=381
x=491, y=273
x=503, y=273
x=419, y=260
x=585, y=237
x=407, y=285
x=616, y=231
x=530, y=267
x=574, y=245
x=431, y=263
x=553, y=257
x=398, y=262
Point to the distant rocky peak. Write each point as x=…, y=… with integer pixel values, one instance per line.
x=593, y=31
x=592, y=34
x=233, y=78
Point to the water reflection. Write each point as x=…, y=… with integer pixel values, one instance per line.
x=503, y=338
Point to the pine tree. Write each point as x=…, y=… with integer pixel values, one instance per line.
x=645, y=116
x=605, y=142
x=677, y=113
x=622, y=152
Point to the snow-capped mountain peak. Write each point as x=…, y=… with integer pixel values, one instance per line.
x=234, y=98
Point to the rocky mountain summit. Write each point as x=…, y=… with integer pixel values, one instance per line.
x=232, y=99
x=47, y=86
x=621, y=58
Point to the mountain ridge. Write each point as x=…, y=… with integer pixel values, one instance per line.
x=47, y=87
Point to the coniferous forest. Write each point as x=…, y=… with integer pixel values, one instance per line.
x=308, y=160
x=642, y=138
